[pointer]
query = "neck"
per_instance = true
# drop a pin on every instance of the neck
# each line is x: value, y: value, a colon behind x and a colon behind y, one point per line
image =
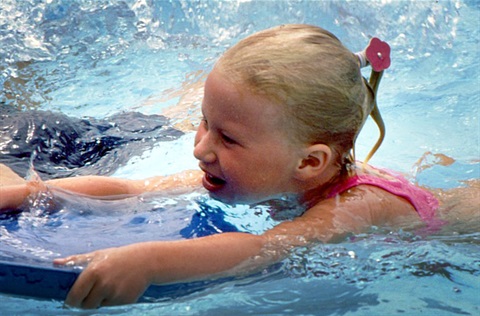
x: 321, y: 186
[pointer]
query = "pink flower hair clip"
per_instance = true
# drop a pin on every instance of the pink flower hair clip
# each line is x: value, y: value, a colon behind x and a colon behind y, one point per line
x: 377, y: 54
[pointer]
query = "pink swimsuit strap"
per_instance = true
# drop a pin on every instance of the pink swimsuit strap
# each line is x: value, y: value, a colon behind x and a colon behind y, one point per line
x: 423, y: 201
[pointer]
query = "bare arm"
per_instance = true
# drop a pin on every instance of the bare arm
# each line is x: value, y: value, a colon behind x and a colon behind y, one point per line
x: 104, y: 186
x: 14, y: 190
x: 8, y: 177
x: 120, y: 275
x: 12, y: 196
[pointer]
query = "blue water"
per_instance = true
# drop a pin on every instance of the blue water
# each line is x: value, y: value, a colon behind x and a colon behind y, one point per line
x: 100, y: 58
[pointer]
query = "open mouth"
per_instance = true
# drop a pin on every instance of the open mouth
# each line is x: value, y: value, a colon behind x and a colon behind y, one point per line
x: 212, y: 183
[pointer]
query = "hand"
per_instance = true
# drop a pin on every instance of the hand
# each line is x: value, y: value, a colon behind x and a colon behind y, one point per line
x: 8, y: 177
x: 113, y: 276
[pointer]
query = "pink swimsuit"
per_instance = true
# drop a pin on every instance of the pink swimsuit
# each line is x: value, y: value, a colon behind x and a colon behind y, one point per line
x: 423, y: 201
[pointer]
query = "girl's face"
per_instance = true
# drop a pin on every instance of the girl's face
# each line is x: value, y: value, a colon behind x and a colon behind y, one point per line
x: 242, y: 146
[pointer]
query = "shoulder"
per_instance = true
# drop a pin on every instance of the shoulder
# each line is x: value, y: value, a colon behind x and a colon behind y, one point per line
x: 364, y: 205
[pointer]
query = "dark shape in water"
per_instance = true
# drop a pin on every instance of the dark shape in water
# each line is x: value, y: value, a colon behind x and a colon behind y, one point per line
x: 62, y: 146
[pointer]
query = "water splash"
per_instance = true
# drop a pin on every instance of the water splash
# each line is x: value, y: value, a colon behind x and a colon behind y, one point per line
x: 383, y: 257
x: 43, y: 42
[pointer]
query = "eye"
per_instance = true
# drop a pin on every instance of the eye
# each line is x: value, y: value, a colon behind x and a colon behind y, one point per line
x: 204, y: 122
x: 228, y: 140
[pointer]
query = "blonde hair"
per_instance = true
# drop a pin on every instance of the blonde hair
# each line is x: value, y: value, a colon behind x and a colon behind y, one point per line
x: 317, y: 80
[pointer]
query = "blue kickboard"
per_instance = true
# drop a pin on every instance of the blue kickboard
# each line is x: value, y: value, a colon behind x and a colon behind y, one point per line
x: 36, y: 281
x: 34, y: 238
x: 55, y: 282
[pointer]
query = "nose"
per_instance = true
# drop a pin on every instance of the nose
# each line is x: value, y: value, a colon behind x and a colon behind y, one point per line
x: 203, y: 149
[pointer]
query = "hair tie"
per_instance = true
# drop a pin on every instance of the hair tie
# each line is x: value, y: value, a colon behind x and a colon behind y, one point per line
x: 377, y: 54
x: 362, y: 58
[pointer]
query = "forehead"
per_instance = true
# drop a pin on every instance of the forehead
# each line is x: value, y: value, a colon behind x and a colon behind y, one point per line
x: 236, y: 103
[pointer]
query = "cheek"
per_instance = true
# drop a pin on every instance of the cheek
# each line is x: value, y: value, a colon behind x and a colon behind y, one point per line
x: 254, y: 173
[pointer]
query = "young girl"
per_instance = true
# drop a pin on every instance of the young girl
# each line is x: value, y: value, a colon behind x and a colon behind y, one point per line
x: 281, y: 112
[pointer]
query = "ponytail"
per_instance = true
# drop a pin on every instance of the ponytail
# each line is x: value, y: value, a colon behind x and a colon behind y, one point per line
x: 377, y: 54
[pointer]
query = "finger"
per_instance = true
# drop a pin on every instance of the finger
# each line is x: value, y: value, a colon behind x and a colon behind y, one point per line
x: 62, y: 261
x: 95, y: 297
x: 79, y: 291
x: 76, y: 260
x: 71, y: 260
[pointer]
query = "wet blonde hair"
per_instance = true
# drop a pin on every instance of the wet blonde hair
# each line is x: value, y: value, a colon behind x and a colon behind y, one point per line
x: 318, y: 81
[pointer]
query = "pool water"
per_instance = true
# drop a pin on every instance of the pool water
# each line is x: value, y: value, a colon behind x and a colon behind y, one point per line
x: 103, y: 58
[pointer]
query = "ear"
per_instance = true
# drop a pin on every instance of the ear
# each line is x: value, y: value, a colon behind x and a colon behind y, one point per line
x: 316, y: 159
